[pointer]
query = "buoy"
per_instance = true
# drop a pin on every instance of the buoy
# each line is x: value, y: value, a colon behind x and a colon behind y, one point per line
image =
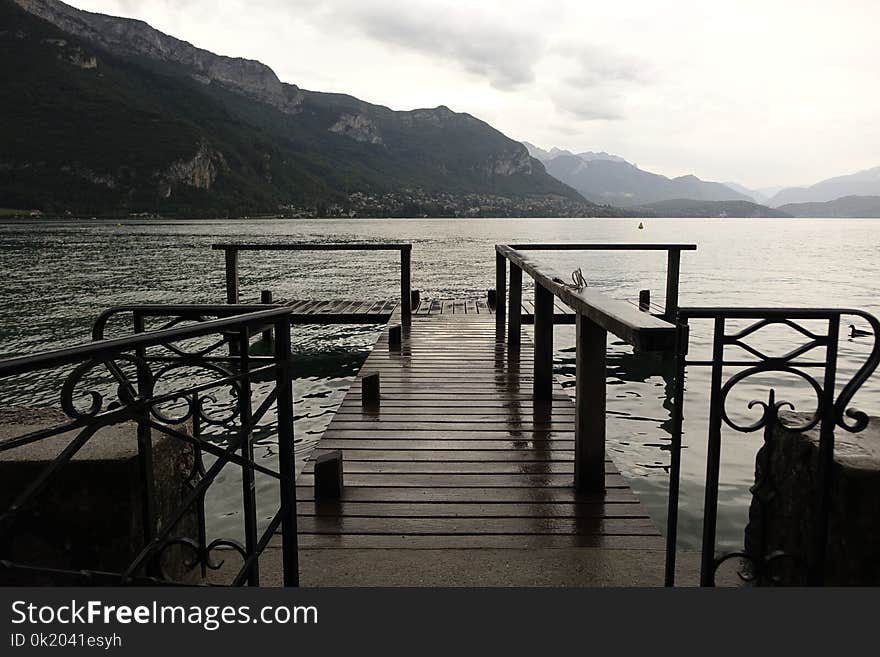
x: 641, y: 226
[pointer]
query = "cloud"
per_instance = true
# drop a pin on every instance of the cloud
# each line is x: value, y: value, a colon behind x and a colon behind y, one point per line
x: 487, y: 46
x: 591, y: 82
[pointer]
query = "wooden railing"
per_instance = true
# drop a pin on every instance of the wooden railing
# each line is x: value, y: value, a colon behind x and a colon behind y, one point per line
x: 232, y: 251
x: 596, y: 315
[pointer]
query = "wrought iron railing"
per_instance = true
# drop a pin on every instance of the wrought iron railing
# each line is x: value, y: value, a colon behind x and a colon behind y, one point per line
x: 184, y: 382
x: 820, y: 328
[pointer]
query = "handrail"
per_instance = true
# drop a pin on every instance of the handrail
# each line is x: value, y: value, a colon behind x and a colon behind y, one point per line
x: 596, y: 315
x: 599, y: 246
x: 624, y: 320
x: 231, y: 251
x: 178, y: 310
x: 314, y: 246
x: 101, y: 348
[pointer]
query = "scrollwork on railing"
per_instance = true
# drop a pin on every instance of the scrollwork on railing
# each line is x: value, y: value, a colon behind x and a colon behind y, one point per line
x: 127, y: 391
x: 172, y: 382
x: 841, y: 412
x: 770, y: 409
x: 762, y: 562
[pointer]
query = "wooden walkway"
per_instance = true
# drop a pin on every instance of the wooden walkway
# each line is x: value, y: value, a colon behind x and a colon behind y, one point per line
x: 459, y: 456
x: 341, y: 311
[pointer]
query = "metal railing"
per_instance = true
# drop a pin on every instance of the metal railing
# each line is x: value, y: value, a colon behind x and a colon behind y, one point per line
x: 596, y: 315
x: 232, y: 260
x: 820, y: 328
x: 205, y: 404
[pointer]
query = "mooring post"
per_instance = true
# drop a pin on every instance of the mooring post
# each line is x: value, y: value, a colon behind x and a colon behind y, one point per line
x: 329, y: 481
x: 543, y: 382
x: 405, y: 292
x: 589, y: 436
x: 500, y: 294
x: 395, y: 337
x: 266, y: 298
x: 645, y: 300
x: 673, y: 270
x: 370, y: 391
x: 231, y: 275
x: 514, y: 334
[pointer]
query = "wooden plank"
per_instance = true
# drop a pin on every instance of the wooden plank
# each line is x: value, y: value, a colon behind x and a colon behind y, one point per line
x: 442, y: 526
x: 460, y: 467
x: 502, y: 455
x: 390, y: 442
x: 463, y: 480
x: 499, y: 541
x: 427, y: 495
x: 465, y: 510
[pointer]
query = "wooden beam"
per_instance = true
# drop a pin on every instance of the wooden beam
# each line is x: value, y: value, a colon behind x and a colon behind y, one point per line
x: 514, y: 325
x: 673, y: 270
x: 323, y: 246
x: 589, y: 437
x: 500, y: 294
x: 231, y: 275
x: 405, y: 287
x: 624, y: 320
x: 543, y: 381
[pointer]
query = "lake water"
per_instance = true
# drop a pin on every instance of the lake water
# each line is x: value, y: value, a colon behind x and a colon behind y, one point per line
x: 57, y: 277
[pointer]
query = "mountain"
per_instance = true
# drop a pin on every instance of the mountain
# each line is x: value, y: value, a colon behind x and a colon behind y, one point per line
x: 756, y: 195
x: 862, y: 183
x: 106, y: 114
x: 692, y: 208
x: 848, y: 206
x: 588, y: 156
x: 609, y: 179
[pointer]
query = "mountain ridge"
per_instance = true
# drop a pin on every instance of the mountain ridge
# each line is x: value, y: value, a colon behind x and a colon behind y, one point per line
x: 860, y: 183
x: 859, y: 207
x: 605, y: 178
x: 184, y: 130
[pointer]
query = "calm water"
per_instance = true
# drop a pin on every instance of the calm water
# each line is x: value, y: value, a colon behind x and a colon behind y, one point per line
x: 57, y: 277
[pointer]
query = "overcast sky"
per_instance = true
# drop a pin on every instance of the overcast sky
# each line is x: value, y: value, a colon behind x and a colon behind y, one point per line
x: 762, y: 92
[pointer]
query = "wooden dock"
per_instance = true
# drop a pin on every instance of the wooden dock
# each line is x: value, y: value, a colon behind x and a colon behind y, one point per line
x: 459, y: 455
x: 342, y: 311
x: 475, y: 455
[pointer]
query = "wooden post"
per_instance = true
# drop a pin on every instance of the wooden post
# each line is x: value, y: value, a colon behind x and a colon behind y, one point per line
x: 415, y: 299
x: 589, y: 437
x: 514, y: 333
x: 500, y: 294
x: 329, y: 481
x: 266, y: 298
x: 491, y: 298
x: 231, y: 275
x: 673, y: 269
x: 395, y: 335
x: 405, y: 293
x: 645, y: 300
x: 370, y: 391
x: 543, y: 382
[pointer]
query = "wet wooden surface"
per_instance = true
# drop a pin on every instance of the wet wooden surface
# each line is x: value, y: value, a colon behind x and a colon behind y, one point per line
x: 459, y: 455
x: 341, y: 311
